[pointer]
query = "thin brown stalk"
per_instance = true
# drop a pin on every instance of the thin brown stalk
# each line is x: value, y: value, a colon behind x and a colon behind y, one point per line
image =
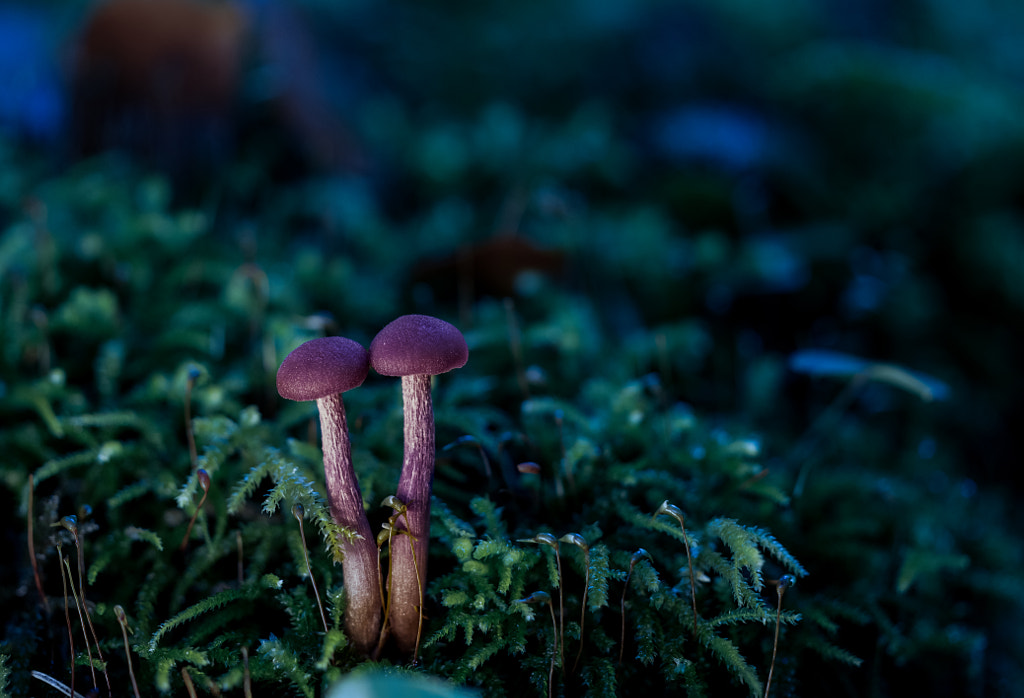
x: 385, y: 598
x: 241, y: 568
x: 561, y: 608
x: 72, y: 525
x: 554, y: 651
x: 67, y: 615
x: 677, y: 514
x: 581, y: 543
x: 784, y: 583
x: 583, y: 609
x: 622, y: 605
x: 123, y: 621
x: 81, y: 619
x: 544, y: 597
x: 246, y: 678
x: 32, y: 546
x: 552, y: 542
x: 204, y: 482
x: 299, y: 512
x: 693, y: 583
x: 188, y: 683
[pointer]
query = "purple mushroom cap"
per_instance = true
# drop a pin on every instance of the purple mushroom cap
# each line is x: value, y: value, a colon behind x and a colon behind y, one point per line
x: 322, y: 367
x: 418, y: 345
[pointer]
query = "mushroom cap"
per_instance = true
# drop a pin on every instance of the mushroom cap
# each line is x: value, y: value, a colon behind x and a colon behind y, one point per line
x: 418, y: 345
x: 322, y: 367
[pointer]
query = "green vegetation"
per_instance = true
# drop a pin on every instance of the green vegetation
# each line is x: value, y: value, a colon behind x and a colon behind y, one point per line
x: 648, y: 445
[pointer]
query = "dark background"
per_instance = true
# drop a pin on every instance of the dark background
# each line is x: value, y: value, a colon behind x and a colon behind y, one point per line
x: 743, y: 179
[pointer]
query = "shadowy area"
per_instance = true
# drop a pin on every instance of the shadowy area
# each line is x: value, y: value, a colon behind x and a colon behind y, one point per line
x: 761, y: 261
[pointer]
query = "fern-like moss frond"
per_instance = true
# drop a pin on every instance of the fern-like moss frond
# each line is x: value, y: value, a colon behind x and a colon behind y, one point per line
x: 56, y: 466
x: 248, y: 591
x: 245, y: 488
x: 284, y: 659
x: 753, y: 615
x: 165, y: 659
x: 454, y: 527
x: 598, y: 675
x: 290, y: 485
x: 334, y: 640
x: 742, y: 543
x: 776, y: 550
x: 830, y: 651
x: 729, y: 655
x: 491, y: 515
x: 597, y: 590
x: 510, y: 556
x: 742, y: 591
x: 921, y: 562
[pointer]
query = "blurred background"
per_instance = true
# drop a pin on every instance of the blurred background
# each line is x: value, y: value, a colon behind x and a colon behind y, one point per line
x: 721, y: 183
x: 830, y: 174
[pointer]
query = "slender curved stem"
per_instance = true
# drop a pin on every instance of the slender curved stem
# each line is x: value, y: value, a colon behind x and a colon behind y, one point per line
x: 299, y: 512
x: 204, y: 481
x: 187, y: 679
x: 583, y: 607
x: 554, y: 651
x: 246, y: 677
x: 88, y: 618
x: 123, y: 621
x: 385, y: 627
x: 693, y: 582
x: 622, y: 608
x: 359, y: 567
x: 81, y: 619
x: 32, y: 547
x: 67, y: 615
x: 561, y: 610
x: 780, y: 589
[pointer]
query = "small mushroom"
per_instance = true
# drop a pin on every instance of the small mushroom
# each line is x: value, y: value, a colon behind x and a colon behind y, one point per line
x: 322, y: 369
x: 415, y: 347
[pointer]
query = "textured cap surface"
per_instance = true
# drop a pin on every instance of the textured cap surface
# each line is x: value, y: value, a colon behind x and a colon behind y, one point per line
x: 322, y: 367
x: 416, y: 345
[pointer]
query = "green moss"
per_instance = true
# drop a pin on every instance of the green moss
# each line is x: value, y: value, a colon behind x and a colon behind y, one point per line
x: 648, y: 365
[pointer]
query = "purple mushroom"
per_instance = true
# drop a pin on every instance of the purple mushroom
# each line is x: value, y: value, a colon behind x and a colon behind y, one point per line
x: 415, y: 347
x: 322, y: 369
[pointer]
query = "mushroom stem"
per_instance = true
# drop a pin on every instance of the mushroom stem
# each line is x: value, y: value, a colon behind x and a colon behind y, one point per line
x: 359, y: 567
x: 409, y: 570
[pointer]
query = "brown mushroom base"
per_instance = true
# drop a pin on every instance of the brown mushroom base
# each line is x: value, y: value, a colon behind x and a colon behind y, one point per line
x: 409, y: 563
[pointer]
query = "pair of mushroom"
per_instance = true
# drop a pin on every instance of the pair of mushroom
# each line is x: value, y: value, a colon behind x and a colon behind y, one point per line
x: 414, y: 347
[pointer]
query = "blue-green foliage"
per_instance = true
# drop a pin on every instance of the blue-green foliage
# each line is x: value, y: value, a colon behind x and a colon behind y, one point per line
x: 122, y: 309
x: 5, y: 676
x: 480, y: 596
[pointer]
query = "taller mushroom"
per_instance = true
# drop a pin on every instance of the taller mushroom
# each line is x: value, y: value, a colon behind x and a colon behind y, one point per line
x: 415, y: 347
x: 322, y: 369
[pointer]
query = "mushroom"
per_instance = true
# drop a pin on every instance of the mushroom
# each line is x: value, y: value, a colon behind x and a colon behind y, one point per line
x: 415, y: 347
x: 322, y: 369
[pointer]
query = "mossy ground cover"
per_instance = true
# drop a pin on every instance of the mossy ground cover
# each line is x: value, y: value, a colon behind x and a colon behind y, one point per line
x: 638, y: 263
